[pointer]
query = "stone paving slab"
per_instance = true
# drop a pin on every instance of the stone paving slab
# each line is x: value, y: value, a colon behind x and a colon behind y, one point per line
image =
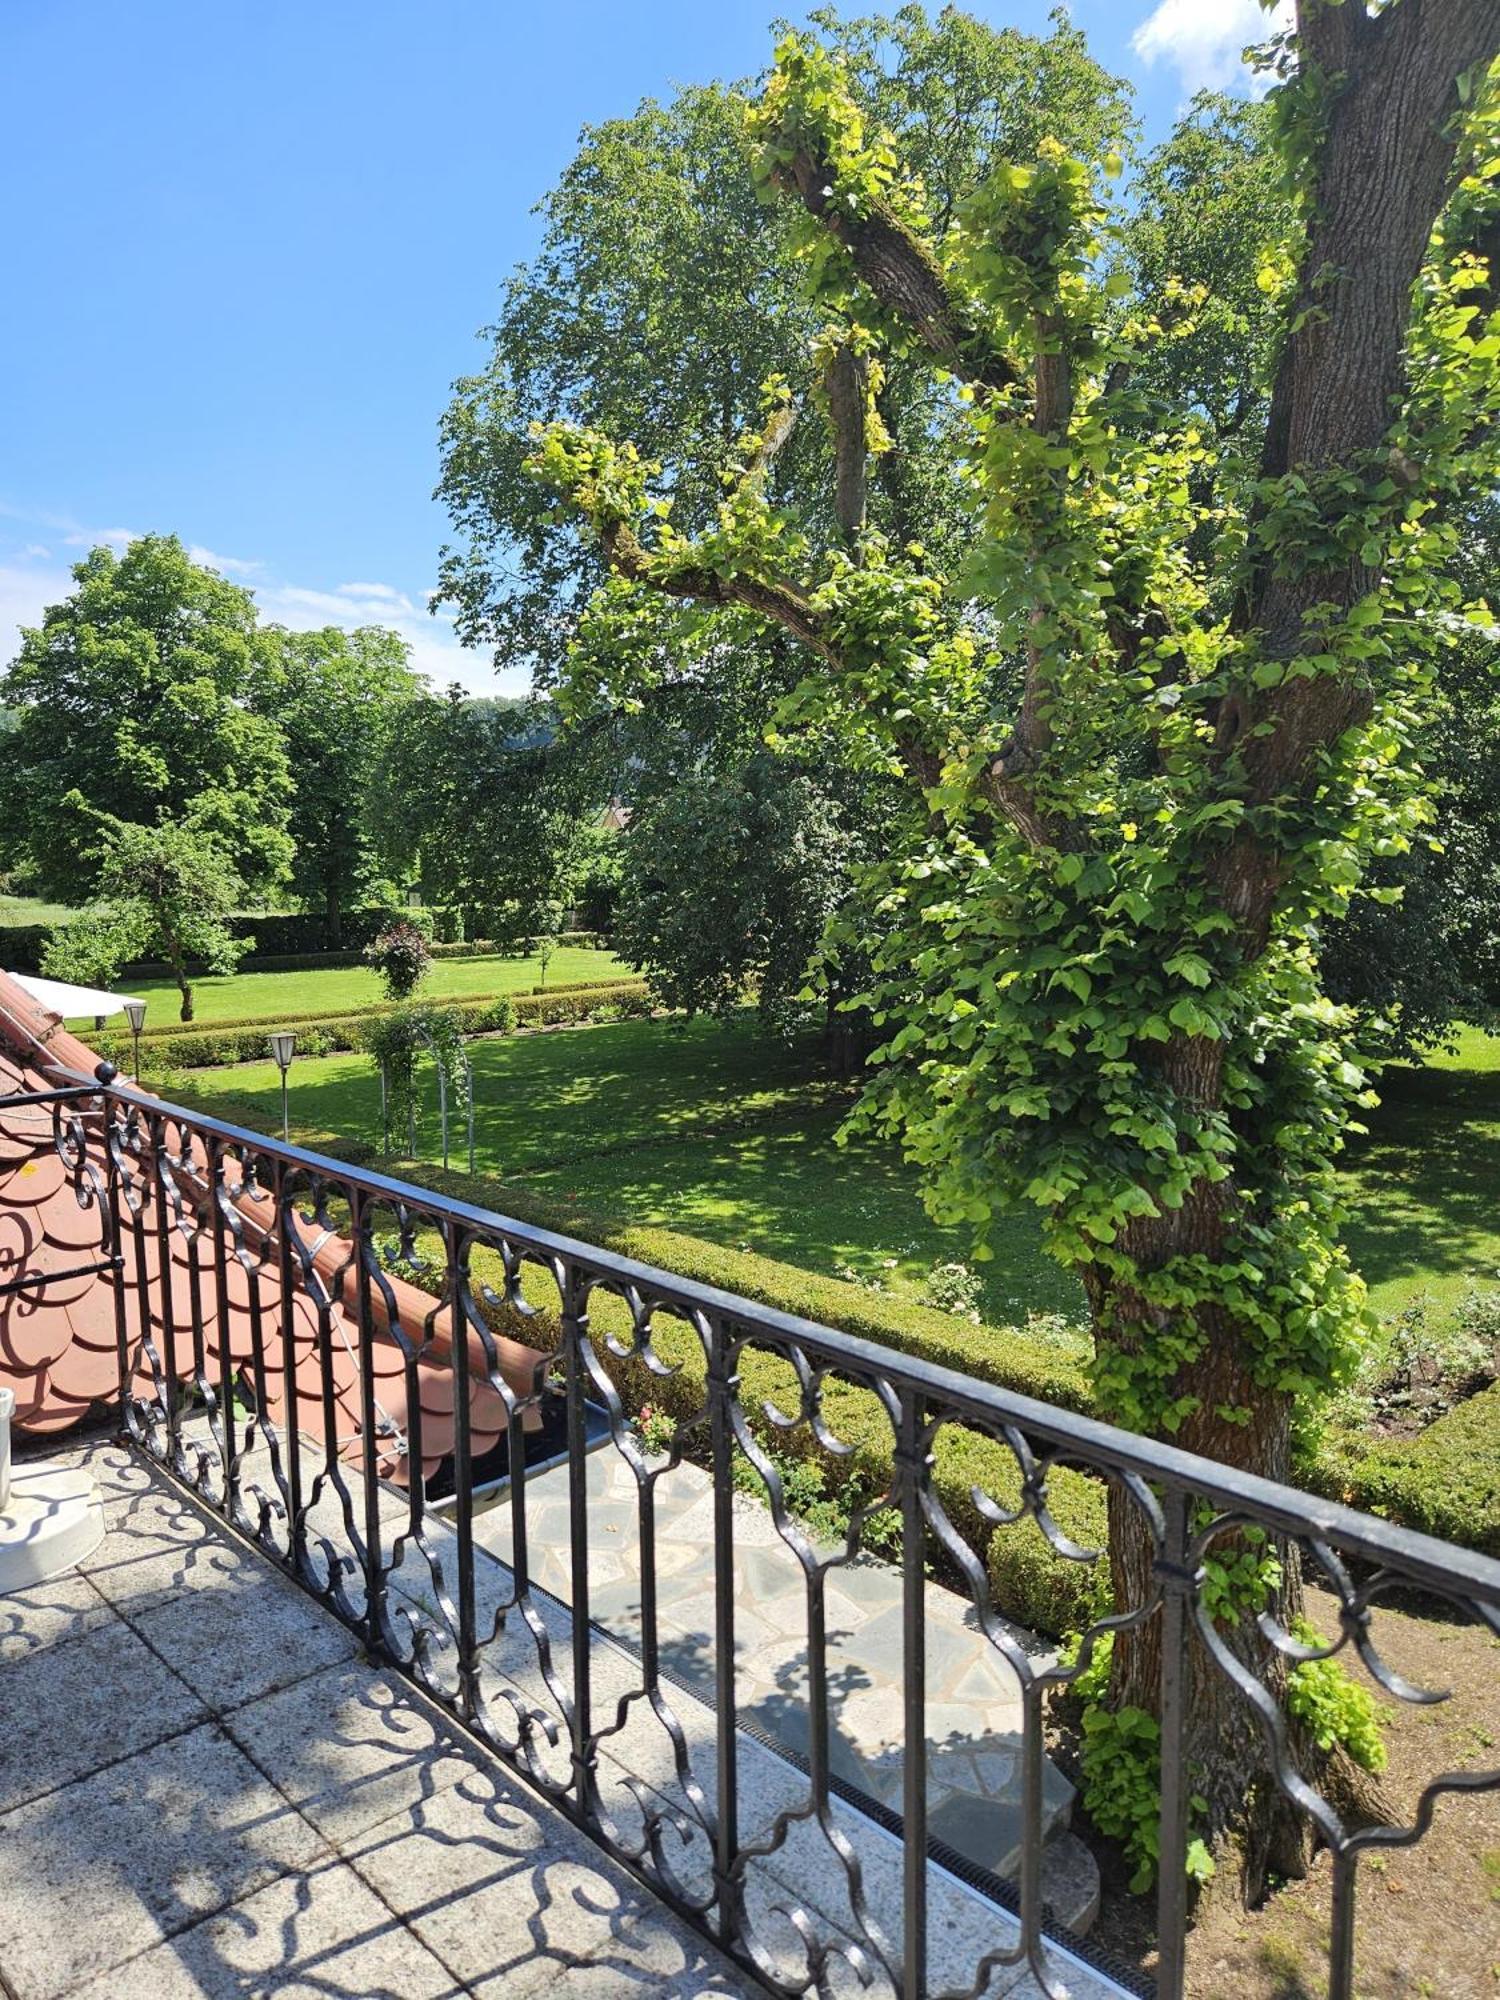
x: 319, y: 1936
x: 63, y: 1608
x: 194, y: 1749
x: 512, y: 1911
x: 99, y: 1871
x: 71, y: 1707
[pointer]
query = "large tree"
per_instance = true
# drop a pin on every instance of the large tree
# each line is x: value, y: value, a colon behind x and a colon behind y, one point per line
x: 135, y: 693
x: 1101, y: 986
x: 655, y: 242
x: 336, y: 697
x: 471, y: 796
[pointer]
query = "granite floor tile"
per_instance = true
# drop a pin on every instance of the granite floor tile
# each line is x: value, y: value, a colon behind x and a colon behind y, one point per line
x: 318, y: 1936
x: 94, y: 1874
x: 350, y: 1746
x: 70, y: 1709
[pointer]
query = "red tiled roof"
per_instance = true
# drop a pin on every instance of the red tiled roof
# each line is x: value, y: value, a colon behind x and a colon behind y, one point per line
x: 59, y: 1343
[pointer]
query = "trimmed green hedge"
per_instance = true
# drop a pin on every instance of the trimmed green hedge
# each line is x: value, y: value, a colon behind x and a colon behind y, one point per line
x: 285, y: 941
x: 22, y: 945
x: 175, y: 1030
x: 1445, y: 1481
x: 333, y: 961
x: 186, y: 1046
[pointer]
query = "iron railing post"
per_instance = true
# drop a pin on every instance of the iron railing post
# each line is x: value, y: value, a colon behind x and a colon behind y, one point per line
x: 296, y: 1524
x: 723, y: 1387
x: 463, y: 1477
x: 912, y: 1469
x: 575, y: 1331
x: 362, y: 1235
x: 1178, y: 1585
x: 1341, y: 1928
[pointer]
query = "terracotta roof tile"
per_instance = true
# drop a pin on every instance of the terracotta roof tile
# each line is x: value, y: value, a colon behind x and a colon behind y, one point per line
x: 58, y: 1344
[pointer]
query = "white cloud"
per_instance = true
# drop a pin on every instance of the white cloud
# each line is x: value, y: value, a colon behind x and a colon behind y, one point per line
x: 1203, y: 39
x: 30, y: 580
x: 225, y: 565
x: 25, y: 591
x: 435, y: 650
x: 119, y: 539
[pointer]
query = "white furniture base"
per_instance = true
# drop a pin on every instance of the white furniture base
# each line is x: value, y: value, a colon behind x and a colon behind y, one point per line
x: 53, y: 1519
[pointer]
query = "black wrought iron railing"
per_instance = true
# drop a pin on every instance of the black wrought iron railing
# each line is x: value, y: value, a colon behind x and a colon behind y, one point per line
x: 318, y: 1351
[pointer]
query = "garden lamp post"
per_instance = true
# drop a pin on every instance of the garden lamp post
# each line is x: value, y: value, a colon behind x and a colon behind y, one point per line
x: 135, y: 1014
x: 284, y: 1047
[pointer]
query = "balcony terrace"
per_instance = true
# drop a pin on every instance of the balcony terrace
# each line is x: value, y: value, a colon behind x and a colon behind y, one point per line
x: 406, y: 1665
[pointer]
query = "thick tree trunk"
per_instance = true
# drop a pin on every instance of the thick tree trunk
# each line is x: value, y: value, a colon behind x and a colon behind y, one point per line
x: 334, y: 920
x: 1247, y: 1821
x: 1234, y: 1422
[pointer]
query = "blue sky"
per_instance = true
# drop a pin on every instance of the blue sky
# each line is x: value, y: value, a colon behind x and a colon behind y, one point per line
x: 251, y: 242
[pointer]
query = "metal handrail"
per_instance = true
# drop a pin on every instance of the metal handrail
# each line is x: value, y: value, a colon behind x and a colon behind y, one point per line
x: 353, y: 1558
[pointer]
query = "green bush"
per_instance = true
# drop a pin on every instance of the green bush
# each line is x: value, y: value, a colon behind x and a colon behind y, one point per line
x: 1445, y: 1481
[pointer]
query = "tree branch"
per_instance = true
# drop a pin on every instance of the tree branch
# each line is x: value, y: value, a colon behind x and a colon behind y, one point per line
x: 783, y: 422
x: 846, y: 382
x: 774, y: 598
x: 902, y: 275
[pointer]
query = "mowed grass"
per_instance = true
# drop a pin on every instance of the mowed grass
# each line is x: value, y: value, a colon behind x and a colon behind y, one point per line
x: 291, y: 996
x: 730, y: 1135
x: 1424, y: 1187
x: 19, y: 910
x: 716, y: 1130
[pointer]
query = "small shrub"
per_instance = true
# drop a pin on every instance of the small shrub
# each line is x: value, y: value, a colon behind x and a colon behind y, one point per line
x: 1423, y: 1367
x: 954, y: 1288
x: 1332, y: 1708
x: 1477, y: 1319
x: 400, y: 958
x: 1120, y: 1765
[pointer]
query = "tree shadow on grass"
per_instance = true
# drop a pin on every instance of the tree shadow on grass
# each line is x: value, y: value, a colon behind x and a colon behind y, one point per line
x: 1422, y: 1186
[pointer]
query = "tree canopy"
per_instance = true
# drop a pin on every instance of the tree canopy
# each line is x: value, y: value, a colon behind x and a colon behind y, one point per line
x: 470, y: 797
x: 133, y: 693
x: 335, y: 697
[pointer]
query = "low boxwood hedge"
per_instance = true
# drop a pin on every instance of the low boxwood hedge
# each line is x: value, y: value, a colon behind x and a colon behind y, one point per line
x: 174, y: 1030
x: 188, y: 1046
x: 1445, y: 1481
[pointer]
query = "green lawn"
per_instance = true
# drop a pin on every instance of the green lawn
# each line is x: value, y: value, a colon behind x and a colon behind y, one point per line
x: 1425, y: 1185
x: 716, y: 1130
x: 730, y: 1136
x: 290, y: 996
x: 18, y: 910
